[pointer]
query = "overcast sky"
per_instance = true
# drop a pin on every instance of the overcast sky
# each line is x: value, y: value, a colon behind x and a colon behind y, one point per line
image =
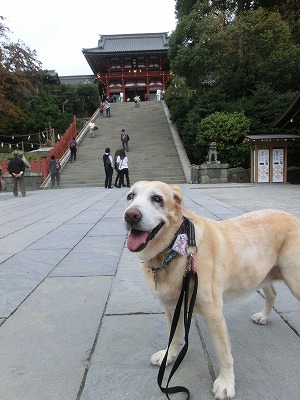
x: 59, y: 29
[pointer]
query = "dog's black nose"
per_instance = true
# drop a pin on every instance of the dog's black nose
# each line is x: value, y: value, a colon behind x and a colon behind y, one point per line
x: 132, y: 215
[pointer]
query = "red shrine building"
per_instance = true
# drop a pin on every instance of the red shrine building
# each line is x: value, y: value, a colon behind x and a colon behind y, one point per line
x: 131, y: 65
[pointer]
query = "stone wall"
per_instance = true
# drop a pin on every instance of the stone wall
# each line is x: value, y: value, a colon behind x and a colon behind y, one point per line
x: 213, y: 173
x: 218, y: 173
x: 33, y: 181
x: 238, y: 175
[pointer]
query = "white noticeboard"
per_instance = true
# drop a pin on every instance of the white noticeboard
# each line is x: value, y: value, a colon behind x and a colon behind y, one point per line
x: 263, y: 165
x: 278, y: 162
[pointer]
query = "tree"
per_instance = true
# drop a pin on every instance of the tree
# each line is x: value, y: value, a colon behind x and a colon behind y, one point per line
x: 259, y: 50
x: 233, y: 56
x: 208, y: 48
x: 228, y: 130
x: 178, y: 95
x: 46, y: 113
x: 20, y: 74
x: 197, y: 47
x: 263, y: 105
x: 88, y: 94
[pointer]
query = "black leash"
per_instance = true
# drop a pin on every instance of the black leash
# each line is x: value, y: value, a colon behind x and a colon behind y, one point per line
x: 188, y: 313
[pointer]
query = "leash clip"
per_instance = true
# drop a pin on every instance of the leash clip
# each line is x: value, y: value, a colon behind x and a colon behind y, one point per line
x: 192, y: 263
x: 189, y: 250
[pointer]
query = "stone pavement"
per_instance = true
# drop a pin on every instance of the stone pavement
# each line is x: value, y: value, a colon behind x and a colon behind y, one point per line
x: 78, y: 322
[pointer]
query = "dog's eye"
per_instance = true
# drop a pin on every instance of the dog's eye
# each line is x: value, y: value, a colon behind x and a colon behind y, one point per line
x: 130, y: 196
x: 157, y: 199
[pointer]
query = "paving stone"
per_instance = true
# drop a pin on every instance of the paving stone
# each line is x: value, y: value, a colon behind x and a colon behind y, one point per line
x: 63, y: 237
x: 64, y: 261
x: 22, y: 273
x: 130, y: 293
x: 92, y: 256
x: 261, y: 353
x: 120, y: 367
x: 46, y: 344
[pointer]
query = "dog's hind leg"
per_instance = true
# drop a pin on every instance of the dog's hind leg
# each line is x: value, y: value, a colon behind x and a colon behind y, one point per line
x: 270, y: 294
x: 292, y: 280
x: 156, y: 358
x: 289, y: 264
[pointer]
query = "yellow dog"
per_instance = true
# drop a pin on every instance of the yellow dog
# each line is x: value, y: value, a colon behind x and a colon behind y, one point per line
x: 234, y: 256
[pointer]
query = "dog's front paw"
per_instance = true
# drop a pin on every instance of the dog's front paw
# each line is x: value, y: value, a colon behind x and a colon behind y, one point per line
x: 223, y: 389
x: 259, y: 318
x: 157, y: 358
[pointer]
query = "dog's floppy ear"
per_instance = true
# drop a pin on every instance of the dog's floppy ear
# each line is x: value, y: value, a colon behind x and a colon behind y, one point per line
x: 177, y: 194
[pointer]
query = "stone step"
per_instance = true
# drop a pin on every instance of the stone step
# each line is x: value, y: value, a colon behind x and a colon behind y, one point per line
x: 152, y: 153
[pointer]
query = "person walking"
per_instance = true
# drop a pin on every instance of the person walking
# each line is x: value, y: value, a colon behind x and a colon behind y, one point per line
x: 101, y: 109
x: 136, y: 100
x: 108, y: 168
x: 16, y: 167
x: 122, y: 161
x: 55, y: 168
x: 73, y: 148
x: 93, y: 128
x: 107, y: 108
x: 124, y: 139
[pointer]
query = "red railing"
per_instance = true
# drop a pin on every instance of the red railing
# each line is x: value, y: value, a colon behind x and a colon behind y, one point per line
x: 61, y: 146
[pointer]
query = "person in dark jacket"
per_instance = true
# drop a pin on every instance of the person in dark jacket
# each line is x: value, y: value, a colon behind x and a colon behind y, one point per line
x: 116, y: 168
x: 108, y: 168
x: 55, y: 168
x: 16, y: 168
x: 73, y: 149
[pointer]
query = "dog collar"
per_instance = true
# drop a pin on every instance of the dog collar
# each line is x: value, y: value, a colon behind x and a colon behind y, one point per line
x: 173, y: 253
x: 164, y: 264
x: 166, y: 261
x: 184, y: 230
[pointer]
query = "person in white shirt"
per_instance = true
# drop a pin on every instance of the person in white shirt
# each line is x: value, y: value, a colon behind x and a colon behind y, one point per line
x: 107, y: 108
x: 92, y: 129
x: 122, y: 161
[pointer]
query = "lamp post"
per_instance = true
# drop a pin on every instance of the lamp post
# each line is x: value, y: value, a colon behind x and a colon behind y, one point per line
x: 63, y: 105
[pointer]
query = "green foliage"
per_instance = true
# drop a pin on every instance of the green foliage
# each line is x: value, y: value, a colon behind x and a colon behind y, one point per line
x: 197, y: 48
x: 19, y: 78
x: 228, y: 130
x: 26, y: 106
x: 178, y: 95
x: 188, y: 112
x: 88, y: 94
x: 254, y: 48
x: 46, y: 113
x: 237, y: 155
x: 259, y: 50
x: 29, y: 156
x: 234, y: 57
x: 263, y: 106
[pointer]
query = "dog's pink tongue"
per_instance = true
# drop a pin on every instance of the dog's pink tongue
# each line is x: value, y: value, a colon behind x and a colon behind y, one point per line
x: 136, y: 239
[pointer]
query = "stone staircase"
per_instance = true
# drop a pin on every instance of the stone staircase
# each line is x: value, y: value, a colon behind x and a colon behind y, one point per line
x: 152, y: 153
